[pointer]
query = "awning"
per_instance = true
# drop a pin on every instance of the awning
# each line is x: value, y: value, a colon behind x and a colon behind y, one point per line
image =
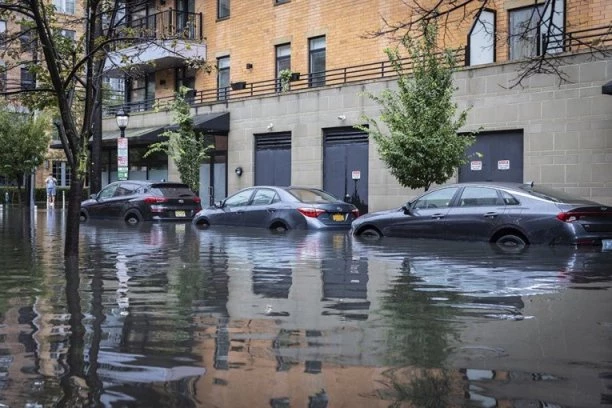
x: 136, y: 136
x: 607, y: 88
x: 209, y: 122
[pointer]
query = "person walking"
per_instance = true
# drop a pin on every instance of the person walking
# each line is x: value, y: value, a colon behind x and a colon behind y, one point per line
x: 51, y: 183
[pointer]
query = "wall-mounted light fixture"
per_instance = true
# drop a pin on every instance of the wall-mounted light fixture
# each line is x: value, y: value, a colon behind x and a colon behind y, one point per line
x: 270, y: 126
x: 342, y: 117
x: 238, y: 171
x: 249, y: 65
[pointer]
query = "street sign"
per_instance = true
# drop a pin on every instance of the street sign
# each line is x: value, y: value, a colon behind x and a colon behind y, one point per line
x: 356, y: 174
x: 122, y: 158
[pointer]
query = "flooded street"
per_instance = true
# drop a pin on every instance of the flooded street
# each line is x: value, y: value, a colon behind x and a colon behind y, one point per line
x: 167, y: 315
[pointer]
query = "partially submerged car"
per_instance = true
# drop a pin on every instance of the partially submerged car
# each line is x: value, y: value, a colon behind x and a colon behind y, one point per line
x: 135, y: 201
x: 508, y: 214
x: 279, y: 209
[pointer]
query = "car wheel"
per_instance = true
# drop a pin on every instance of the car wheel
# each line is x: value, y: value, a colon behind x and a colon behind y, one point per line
x: 280, y: 228
x: 132, y: 218
x: 370, y: 233
x: 511, y: 242
x: 83, y: 216
x: 202, y: 224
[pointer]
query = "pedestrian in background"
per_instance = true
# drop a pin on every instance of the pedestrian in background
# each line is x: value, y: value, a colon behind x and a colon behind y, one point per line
x: 51, y: 183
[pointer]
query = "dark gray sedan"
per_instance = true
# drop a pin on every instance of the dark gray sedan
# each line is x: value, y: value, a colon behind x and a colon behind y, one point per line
x: 280, y: 209
x: 509, y: 214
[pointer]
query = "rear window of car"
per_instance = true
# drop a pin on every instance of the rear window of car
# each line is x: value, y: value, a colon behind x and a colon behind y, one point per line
x: 312, y: 196
x: 554, y: 195
x: 172, y: 190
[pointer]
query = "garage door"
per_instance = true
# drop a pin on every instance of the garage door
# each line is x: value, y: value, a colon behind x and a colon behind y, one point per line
x: 500, y: 158
x: 345, y: 165
x: 273, y: 159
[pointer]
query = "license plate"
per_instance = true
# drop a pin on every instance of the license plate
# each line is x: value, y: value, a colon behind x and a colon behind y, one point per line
x: 179, y: 213
x: 606, y: 244
x: 338, y: 217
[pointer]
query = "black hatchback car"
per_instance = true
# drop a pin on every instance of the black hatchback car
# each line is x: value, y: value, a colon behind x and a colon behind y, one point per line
x: 508, y: 214
x: 134, y: 201
x: 280, y: 209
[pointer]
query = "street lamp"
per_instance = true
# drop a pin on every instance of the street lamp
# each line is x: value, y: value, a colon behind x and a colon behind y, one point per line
x: 122, y: 145
x: 122, y: 120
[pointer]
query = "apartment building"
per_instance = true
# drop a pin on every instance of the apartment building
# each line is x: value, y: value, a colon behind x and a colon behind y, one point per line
x: 269, y: 131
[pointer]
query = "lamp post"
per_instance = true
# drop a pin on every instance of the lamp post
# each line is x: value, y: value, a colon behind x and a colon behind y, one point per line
x: 122, y: 145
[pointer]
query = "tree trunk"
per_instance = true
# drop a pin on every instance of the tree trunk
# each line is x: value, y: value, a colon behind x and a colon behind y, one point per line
x: 71, y: 247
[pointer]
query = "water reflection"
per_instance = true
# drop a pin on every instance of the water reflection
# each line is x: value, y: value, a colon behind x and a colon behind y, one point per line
x: 167, y: 315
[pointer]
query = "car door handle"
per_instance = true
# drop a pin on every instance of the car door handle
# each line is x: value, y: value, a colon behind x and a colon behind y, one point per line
x: 491, y: 214
x: 271, y: 210
x: 239, y: 212
x: 437, y: 216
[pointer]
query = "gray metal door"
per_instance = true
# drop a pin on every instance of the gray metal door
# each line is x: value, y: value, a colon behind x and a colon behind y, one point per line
x: 273, y: 159
x: 501, y: 160
x: 345, y: 165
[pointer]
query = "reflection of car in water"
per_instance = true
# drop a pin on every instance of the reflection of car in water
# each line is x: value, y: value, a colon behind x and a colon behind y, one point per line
x: 509, y: 214
x: 280, y: 209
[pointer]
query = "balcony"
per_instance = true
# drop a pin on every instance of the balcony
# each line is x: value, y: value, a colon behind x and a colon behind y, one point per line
x: 162, y: 40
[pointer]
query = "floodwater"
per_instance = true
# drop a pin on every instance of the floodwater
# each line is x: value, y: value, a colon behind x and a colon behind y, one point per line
x: 166, y: 315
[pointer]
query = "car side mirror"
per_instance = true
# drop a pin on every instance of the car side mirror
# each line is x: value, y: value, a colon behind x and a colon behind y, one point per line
x: 406, y: 208
x: 93, y: 196
x: 219, y: 204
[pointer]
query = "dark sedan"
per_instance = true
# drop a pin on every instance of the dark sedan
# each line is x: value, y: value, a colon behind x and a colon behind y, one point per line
x: 134, y: 201
x: 509, y: 214
x: 280, y: 209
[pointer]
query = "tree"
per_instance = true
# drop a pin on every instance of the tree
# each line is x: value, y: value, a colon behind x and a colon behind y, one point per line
x: 69, y: 73
x: 183, y: 145
x: 24, y: 138
x: 422, y: 146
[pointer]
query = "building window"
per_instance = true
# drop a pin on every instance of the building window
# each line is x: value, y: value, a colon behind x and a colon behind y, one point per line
x: 61, y: 172
x: 281, y: 1
x: 223, y: 9
x: 64, y: 6
x: 524, y: 32
x: 28, y: 79
x: 25, y: 38
x: 3, y: 86
x: 223, y: 77
x: 69, y: 34
x: 186, y: 77
x: 141, y: 93
x: 316, y: 61
x: 283, y: 61
x: 115, y: 89
x: 2, y: 32
x: 481, y: 39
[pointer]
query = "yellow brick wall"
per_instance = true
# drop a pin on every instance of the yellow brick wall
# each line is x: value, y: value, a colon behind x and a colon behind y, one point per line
x: 256, y: 26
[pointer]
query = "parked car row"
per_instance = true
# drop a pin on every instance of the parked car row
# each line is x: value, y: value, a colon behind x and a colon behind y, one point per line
x: 512, y: 215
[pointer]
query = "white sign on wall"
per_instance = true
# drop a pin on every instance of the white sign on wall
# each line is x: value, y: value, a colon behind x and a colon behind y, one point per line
x: 475, y: 165
x: 356, y: 174
x: 503, y: 165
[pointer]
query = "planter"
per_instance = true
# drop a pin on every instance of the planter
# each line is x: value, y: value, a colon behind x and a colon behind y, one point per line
x: 236, y: 86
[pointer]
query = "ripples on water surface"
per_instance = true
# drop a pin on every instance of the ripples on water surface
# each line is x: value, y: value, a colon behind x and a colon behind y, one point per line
x: 170, y: 316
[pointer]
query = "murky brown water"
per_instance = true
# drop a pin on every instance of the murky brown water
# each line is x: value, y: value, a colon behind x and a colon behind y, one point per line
x: 165, y: 315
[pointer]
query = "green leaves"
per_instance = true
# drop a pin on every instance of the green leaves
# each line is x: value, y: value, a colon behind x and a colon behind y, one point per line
x: 421, y: 146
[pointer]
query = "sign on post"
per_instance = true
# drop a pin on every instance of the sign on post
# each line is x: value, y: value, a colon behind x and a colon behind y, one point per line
x: 122, y: 158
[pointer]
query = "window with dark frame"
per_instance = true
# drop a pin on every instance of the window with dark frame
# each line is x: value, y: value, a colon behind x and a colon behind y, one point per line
x: 186, y: 77
x: 3, y: 86
x: 141, y: 94
x: 223, y: 9
x: 28, y: 79
x: 316, y: 61
x: 223, y: 78
x: 2, y: 32
x: 524, y: 32
x: 283, y: 61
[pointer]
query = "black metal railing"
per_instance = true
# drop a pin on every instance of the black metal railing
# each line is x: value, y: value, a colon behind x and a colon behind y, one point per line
x: 600, y: 37
x: 167, y: 24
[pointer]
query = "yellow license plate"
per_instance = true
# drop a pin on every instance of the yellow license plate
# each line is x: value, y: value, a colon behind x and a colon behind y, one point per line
x: 338, y: 217
x: 179, y: 213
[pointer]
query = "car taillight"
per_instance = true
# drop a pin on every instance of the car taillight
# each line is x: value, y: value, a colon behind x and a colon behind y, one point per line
x: 197, y: 200
x: 311, y: 212
x: 355, y: 213
x: 575, y: 216
x: 155, y: 200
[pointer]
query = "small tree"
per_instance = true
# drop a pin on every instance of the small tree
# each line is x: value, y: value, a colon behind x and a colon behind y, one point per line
x: 422, y: 146
x: 24, y: 138
x: 184, y: 146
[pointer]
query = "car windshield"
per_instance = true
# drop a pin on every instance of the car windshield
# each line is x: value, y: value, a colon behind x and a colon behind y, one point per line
x: 312, y: 196
x: 551, y: 194
x: 172, y: 190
